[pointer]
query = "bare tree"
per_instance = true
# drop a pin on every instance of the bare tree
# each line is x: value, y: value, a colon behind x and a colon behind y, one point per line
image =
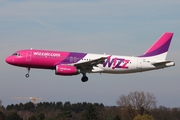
x: 136, y: 103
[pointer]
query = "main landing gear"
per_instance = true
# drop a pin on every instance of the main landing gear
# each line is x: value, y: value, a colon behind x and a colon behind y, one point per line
x: 27, y: 75
x: 84, y: 78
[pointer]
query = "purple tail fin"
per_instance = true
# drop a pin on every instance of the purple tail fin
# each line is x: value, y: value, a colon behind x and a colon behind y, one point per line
x: 160, y: 46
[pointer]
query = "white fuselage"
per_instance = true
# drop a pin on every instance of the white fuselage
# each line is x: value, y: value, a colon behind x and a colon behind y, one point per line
x: 122, y: 64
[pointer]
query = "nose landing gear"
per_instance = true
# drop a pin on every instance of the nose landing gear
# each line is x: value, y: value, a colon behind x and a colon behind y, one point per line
x: 27, y: 75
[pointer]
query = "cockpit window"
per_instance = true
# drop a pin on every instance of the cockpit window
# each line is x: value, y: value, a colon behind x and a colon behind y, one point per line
x: 16, y: 54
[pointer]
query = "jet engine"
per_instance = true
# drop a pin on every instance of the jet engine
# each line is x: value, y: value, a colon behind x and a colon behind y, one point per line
x: 66, y: 70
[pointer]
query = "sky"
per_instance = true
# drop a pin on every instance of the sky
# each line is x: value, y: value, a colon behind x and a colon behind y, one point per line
x: 97, y: 26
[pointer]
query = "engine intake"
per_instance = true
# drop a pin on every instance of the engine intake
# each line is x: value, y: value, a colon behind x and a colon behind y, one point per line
x: 66, y: 70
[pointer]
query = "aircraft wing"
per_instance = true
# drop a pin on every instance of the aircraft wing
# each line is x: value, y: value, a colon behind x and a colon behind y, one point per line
x: 94, y: 62
x: 91, y: 65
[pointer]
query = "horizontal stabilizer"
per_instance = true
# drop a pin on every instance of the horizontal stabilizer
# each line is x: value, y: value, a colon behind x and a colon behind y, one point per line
x: 166, y: 63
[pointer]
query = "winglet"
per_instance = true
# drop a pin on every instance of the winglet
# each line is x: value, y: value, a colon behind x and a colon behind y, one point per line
x: 160, y: 46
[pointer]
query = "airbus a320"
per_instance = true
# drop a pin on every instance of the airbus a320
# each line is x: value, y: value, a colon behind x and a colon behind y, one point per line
x: 74, y: 63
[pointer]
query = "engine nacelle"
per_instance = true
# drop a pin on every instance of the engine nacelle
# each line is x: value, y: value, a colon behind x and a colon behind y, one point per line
x: 66, y: 70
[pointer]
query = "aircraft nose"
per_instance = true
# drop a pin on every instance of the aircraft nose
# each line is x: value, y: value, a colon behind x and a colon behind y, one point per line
x: 9, y: 60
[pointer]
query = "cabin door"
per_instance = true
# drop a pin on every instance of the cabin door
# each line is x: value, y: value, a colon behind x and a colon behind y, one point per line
x: 139, y: 63
x: 28, y: 55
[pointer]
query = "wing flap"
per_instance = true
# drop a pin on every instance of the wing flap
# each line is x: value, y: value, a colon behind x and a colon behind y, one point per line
x: 97, y: 69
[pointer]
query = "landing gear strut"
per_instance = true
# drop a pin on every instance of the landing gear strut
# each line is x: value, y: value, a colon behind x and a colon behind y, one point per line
x: 84, y: 78
x: 27, y: 75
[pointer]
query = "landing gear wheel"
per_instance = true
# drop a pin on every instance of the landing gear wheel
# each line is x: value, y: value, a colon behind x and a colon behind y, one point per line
x: 84, y: 79
x: 27, y: 75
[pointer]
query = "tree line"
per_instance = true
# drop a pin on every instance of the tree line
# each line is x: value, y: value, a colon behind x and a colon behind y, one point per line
x: 134, y: 106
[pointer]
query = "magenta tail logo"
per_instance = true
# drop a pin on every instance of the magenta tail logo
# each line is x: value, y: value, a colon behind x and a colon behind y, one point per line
x: 116, y: 63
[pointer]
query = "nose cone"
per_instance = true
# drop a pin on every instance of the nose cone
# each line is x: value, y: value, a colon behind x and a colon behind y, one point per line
x: 9, y: 60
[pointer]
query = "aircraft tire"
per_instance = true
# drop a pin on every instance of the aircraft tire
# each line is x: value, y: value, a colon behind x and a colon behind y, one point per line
x: 84, y: 79
x: 27, y: 75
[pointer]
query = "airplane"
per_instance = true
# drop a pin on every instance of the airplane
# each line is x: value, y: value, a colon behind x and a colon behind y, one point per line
x: 74, y: 63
